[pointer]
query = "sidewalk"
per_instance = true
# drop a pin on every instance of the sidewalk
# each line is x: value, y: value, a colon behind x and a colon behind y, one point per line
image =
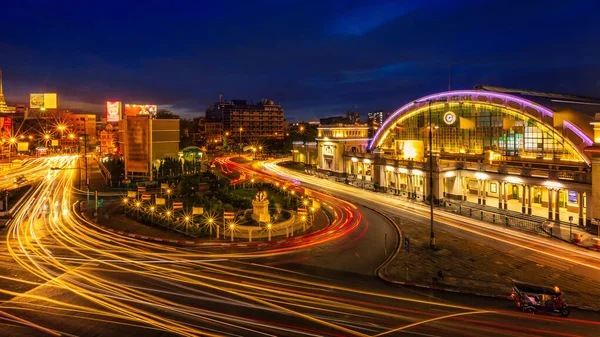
x: 471, y: 267
x: 560, y: 231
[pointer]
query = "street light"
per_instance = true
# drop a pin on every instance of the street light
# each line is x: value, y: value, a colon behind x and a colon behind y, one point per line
x: 269, y: 227
x: 232, y: 230
x: 11, y: 141
x: 431, y: 234
x: 152, y: 208
x: 211, y: 221
x: 137, y: 210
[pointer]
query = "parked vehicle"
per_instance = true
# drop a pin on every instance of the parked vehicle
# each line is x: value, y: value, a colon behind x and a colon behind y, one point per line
x: 533, y: 298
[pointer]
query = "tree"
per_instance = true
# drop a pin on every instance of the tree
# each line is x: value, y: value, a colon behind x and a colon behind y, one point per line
x: 166, y: 114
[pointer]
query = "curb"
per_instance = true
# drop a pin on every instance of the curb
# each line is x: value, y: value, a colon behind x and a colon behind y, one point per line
x: 180, y: 242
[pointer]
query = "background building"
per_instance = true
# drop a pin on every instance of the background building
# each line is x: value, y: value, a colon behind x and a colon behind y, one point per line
x: 248, y: 122
x: 349, y: 118
x: 144, y: 141
x: 378, y: 117
x: 4, y: 108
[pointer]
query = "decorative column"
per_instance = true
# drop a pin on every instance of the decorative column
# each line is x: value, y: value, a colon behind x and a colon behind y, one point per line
x: 523, y: 199
x: 505, y: 186
x: 580, y: 204
x: 557, y: 205
x: 479, y: 191
x: 483, y: 194
x: 465, y: 188
x: 550, y: 204
x: 500, y: 189
x: 529, y: 199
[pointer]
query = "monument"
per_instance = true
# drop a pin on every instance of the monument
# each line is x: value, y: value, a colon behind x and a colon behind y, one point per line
x: 260, y: 207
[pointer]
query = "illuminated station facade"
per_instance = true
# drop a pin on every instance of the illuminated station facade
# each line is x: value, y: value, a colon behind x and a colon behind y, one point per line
x: 530, y: 152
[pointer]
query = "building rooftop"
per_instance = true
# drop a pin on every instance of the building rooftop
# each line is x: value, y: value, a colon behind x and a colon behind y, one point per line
x: 554, y: 101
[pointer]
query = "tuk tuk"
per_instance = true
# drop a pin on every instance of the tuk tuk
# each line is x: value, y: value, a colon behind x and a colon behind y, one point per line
x: 533, y: 298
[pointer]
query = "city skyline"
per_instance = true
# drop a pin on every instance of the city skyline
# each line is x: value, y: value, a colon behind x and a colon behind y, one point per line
x: 321, y: 60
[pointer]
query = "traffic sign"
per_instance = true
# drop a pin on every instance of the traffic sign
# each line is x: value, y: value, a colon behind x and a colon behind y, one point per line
x: 407, y: 244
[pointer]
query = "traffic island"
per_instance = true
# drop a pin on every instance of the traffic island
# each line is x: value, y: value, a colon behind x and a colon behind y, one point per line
x: 461, y: 264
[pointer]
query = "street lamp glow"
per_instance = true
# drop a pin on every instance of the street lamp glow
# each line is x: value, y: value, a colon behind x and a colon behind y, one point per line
x: 152, y: 208
x: 125, y: 200
x: 305, y: 202
x: 13, y: 140
x: 187, y: 218
x: 138, y: 204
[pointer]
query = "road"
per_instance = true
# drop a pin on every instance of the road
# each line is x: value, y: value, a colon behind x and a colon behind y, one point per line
x: 85, y: 281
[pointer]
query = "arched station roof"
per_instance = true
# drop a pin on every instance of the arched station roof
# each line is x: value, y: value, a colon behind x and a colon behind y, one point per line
x: 521, y: 107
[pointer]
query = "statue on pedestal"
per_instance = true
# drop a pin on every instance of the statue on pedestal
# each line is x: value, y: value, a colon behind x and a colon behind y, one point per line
x: 261, y: 196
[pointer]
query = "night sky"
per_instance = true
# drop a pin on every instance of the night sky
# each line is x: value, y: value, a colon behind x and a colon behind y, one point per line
x: 318, y: 58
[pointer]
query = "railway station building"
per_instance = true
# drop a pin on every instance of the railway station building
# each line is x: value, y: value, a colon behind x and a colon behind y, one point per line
x: 531, y: 152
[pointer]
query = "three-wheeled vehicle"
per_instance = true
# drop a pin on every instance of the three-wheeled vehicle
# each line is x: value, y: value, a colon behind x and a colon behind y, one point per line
x: 533, y: 298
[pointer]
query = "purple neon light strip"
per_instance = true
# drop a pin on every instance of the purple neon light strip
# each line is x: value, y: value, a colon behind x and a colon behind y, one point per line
x: 488, y: 94
x: 587, y: 140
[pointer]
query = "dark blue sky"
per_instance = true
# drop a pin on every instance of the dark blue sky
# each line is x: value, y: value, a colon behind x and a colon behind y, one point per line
x: 317, y: 58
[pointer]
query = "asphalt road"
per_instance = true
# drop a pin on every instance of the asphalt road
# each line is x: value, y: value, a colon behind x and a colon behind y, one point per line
x: 87, y: 282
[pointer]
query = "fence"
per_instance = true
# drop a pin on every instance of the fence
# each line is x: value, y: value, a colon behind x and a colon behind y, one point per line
x: 504, y: 219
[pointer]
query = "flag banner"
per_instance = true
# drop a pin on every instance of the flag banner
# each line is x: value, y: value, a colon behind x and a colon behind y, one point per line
x: 228, y: 215
x: 146, y: 197
x: 467, y: 124
x: 508, y: 123
x: 161, y: 201
x: 178, y: 205
x: 141, y: 189
x: 164, y: 186
x: 131, y: 194
x: 197, y: 210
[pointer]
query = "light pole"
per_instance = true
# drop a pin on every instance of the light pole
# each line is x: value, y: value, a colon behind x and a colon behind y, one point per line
x: 431, y: 234
x: 232, y: 229
x: 187, y: 223
x: 269, y: 226
x: 137, y: 210
x: 210, y: 226
x: 152, y: 208
x: 11, y: 141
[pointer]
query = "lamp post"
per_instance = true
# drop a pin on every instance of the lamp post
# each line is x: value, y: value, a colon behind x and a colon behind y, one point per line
x: 11, y: 141
x: 269, y: 227
x: 232, y: 230
x: 152, y: 208
x: 210, y: 226
x: 431, y: 234
x: 187, y: 223
x: 137, y: 210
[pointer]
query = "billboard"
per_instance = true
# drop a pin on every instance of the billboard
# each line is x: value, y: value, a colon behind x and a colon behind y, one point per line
x: 46, y: 101
x: 140, y: 109
x: 22, y: 146
x: 5, y: 125
x: 137, y: 156
x: 113, y: 111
